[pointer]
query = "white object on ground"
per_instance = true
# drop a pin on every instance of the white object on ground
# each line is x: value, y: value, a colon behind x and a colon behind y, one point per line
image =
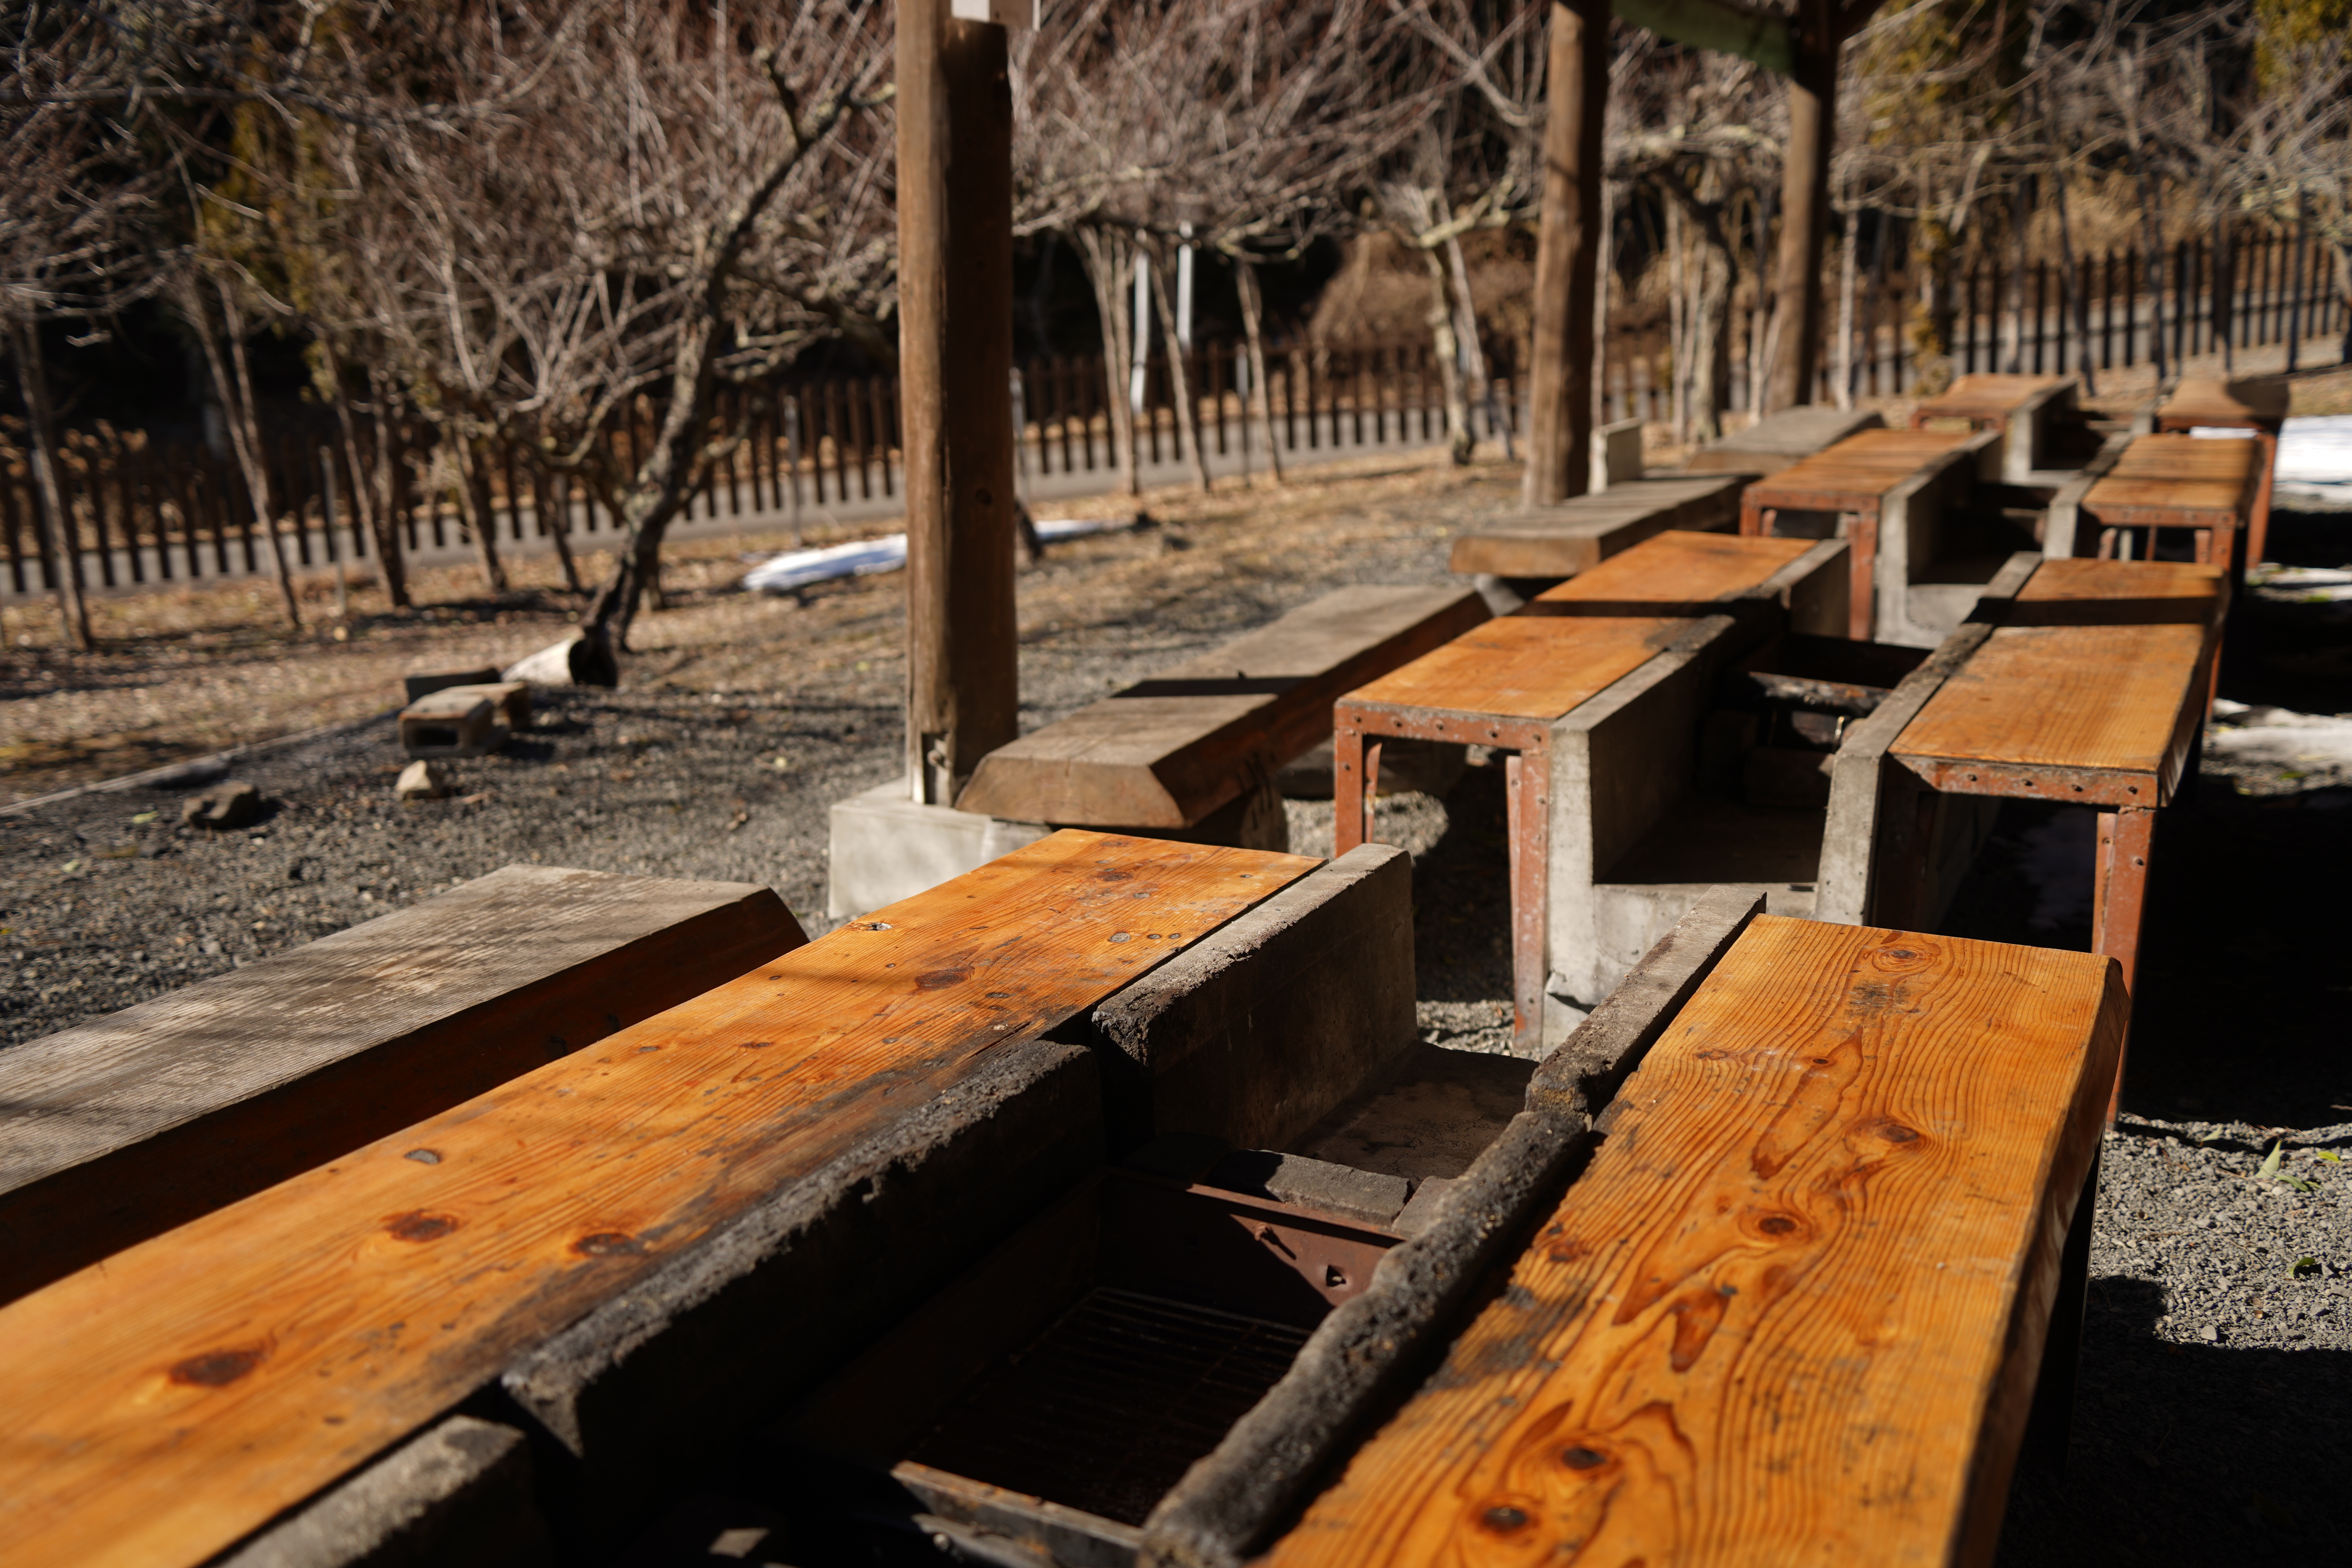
x: 796, y: 569
x: 2276, y: 737
x: 2314, y: 458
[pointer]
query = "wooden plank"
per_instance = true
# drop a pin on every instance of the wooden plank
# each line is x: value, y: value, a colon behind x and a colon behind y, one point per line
x: 2258, y: 403
x: 2179, y: 473
x: 1856, y: 473
x: 174, y: 1398
x: 1759, y: 1328
x: 1776, y: 443
x: 1680, y: 568
x: 1166, y: 751
x: 1524, y: 666
x: 1576, y: 535
x: 2075, y: 591
x: 124, y: 1126
x: 1984, y: 399
x: 2100, y: 698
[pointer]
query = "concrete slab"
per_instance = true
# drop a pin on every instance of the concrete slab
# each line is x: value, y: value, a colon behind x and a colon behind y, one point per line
x: 1779, y: 442
x: 886, y: 846
x: 458, y: 1495
x: 1366, y: 1196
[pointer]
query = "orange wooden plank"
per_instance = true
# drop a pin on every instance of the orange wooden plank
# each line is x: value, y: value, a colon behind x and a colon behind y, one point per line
x: 1867, y: 464
x: 2179, y: 473
x: 2097, y: 696
x: 1772, y: 1322
x: 2081, y: 577
x: 1681, y: 567
x: 1525, y: 667
x: 1983, y: 397
x: 166, y: 1402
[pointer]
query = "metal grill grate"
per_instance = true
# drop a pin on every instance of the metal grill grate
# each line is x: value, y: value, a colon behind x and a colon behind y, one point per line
x: 1107, y: 1409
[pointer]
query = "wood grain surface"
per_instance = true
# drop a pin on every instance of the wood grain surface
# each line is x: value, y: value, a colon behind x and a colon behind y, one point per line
x: 1793, y: 1309
x: 2084, y: 578
x: 168, y: 1401
x: 1984, y: 396
x: 1681, y: 567
x: 2260, y: 403
x: 1577, y: 534
x: 2105, y: 698
x: 1168, y: 750
x: 128, y: 1125
x: 1866, y: 465
x: 1525, y: 667
x: 2179, y: 473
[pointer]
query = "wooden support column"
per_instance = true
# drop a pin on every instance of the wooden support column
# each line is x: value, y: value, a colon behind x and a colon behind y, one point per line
x: 955, y: 363
x: 1568, y: 252
x: 1804, y: 206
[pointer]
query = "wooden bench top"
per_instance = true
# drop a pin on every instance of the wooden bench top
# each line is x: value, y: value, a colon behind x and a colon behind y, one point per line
x: 1524, y: 667
x: 1985, y: 398
x: 2182, y: 474
x: 2259, y: 403
x: 1678, y: 567
x: 167, y: 1402
x: 1773, y: 444
x: 1794, y: 1308
x: 2080, y: 591
x: 1576, y: 535
x: 1862, y: 466
x: 128, y: 1125
x: 1166, y: 751
x: 2101, y: 713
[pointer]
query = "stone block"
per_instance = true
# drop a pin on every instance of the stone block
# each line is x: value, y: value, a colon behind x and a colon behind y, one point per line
x: 885, y: 847
x: 648, y: 1392
x: 223, y: 807
x: 459, y: 1496
x: 1254, y: 1034
x: 1365, y: 1196
x: 454, y: 723
x: 421, y: 780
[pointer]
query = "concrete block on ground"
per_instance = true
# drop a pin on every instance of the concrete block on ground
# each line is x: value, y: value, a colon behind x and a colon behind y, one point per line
x: 454, y: 723
x: 1256, y: 1034
x: 648, y: 1392
x: 1616, y: 454
x: 884, y: 847
x: 425, y: 682
x: 459, y: 1496
x: 511, y: 697
x: 1366, y: 1196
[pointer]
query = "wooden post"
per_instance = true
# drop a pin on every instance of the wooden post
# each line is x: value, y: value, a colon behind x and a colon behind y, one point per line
x: 955, y: 338
x: 1568, y: 251
x: 1804, y: 205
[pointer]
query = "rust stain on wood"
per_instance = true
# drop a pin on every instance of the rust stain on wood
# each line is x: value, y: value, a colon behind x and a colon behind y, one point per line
x: 169, y: 1400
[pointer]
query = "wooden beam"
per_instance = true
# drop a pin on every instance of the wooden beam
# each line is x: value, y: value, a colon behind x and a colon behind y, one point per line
x: 1568, y: 256
x: 1759, y: 1326
x: 955, y: 364
x: 1762, y: 36
x: 172, y: 1400
x: 129, y: 1125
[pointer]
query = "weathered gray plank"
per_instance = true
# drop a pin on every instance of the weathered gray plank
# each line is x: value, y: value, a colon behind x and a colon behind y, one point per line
x: 122, y: 1128
x: 1166, y: 751
x: 1577, y: 535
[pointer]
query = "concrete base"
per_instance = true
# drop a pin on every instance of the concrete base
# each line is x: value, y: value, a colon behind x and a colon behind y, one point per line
x: 887, y: 847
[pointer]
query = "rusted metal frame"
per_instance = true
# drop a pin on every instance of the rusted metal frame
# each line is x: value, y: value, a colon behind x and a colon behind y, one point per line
x: 2025, y: 781
x: 1358, y: 730
x: 2118, y: 900
x: 2264, y: 431
x: 1760, y: 506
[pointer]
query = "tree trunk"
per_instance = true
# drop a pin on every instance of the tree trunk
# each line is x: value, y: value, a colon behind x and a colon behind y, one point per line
x: 1180, y: 375
x: 665, y: 476
x: 1459, y: 441
x: 58, y: 532
x: 1842, y: 365
x: 1110, y: 262
x: 1804, y: 209
x: 480, y: 510
x: 1254, y: 331
x: 2151, y: 222
x: 359, y: 495
x: 389, y: 477
x: 2081, y: 296
x: 1472, y: 354
x: 232, y: 383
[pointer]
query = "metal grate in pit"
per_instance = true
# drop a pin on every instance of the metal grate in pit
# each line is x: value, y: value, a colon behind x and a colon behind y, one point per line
x: 1106, y: 1410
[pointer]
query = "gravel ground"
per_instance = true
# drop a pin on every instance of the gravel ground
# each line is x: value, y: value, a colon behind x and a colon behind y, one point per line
x: 2214, y: 1415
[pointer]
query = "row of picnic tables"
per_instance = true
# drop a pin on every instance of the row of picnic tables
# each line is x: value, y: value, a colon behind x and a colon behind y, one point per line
x: 651, y: 1249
